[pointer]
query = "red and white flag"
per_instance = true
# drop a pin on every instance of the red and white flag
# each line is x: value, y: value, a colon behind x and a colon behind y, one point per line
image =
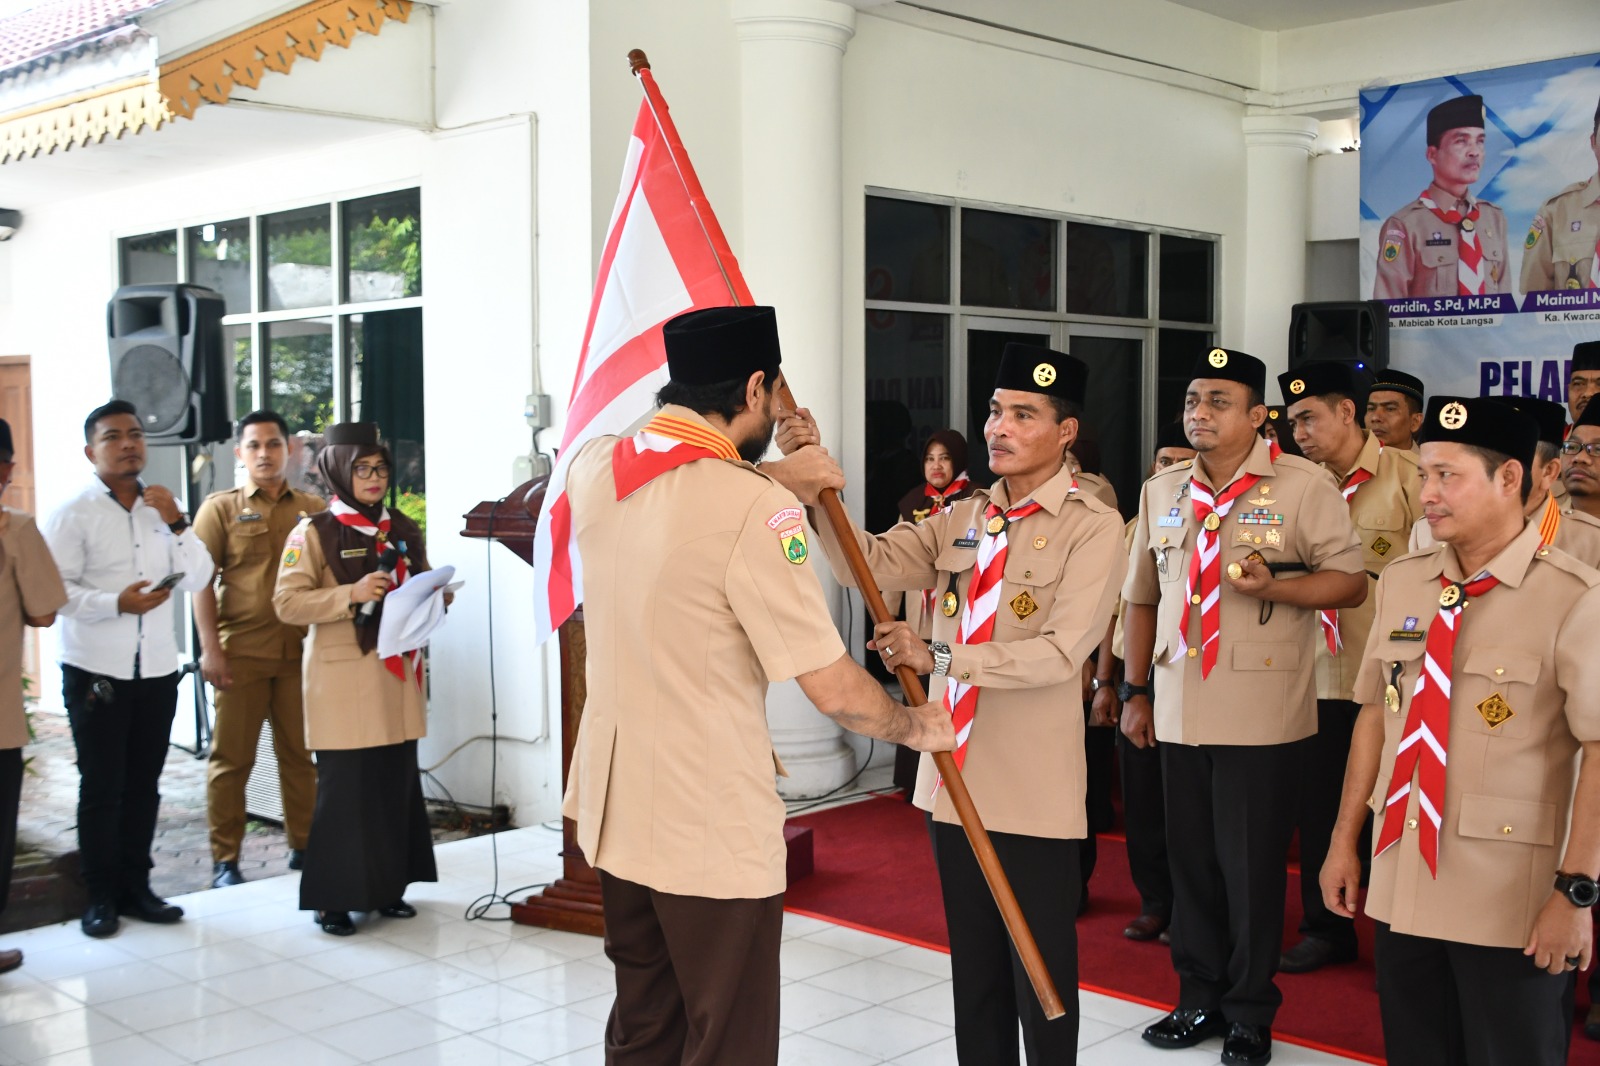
x: 665, y: 254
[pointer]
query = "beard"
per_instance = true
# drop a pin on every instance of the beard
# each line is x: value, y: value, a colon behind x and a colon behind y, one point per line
x: 753, y: 447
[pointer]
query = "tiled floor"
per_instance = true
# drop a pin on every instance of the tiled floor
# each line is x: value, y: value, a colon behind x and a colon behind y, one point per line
x: 246, y: 978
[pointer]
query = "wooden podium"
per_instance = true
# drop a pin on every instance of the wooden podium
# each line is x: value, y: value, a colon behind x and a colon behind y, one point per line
x: 573, y: 902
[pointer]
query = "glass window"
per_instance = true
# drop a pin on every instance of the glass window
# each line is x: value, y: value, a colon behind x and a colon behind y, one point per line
x: 908, y: 251
x: 1177, y: 351
x: 1186, y: 279
x: 908, y: 368
x: 219, y: 259
x: 1008, y: 261
x: 151, y: 259
x: 1109, y: 433
x: 236, y: 340
x: 384, y: 350
x: 383, y: 246
x: 300, y: 372
x: 1106, y: 270
x: 299, y: 258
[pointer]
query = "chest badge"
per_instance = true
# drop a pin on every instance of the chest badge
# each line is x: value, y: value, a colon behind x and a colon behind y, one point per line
x: 1212, y: 522
x: 996, y: 524
x: 1381, y: 546
x: 949, y: 605
x: 1495, y: 710
x: 1039, y: 543
x: 249, y: 516
x: 1450, y: 596
x: 1391, y: 699
x: 1023, y: 605
x: 1274, y: 539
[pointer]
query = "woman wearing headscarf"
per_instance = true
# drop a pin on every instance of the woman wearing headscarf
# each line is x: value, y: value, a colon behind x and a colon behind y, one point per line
x: 364, y: 715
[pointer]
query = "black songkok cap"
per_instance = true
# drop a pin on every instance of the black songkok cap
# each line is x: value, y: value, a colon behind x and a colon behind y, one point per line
x: 1320, y: 379
x: 1481, y: 423
x: 1277, y: 413
x: 1032, y: 368
x: 1462, y: 112
x: 1171, y: 435
x: 718, y: 344
x: 1586, y: 356
x: 1590, y: 416
x: 1225, y: 364
x: 1550, y: 416
x: 5, y: 438
x: 1391, y: 380
x: 360, y: 434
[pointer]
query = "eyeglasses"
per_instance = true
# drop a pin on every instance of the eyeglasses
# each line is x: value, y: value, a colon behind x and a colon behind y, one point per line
x: 365, y: 471
x: 1572, y: 447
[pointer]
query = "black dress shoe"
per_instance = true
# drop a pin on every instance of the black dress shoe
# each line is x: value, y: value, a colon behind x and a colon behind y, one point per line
x: 1313, y: 953
x: 297, y: 858
x: 1247, y: 1045
x: 398, y: 909
x: 100, y: 920
x: 1146, y: 927
x: 224, y: 874
x: 336, y: 923
x: 1185, y: 1028
x: 146, y: 906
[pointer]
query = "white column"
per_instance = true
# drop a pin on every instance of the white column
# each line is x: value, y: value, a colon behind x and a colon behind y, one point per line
x: 791, y: 59
x: 1277, y: 178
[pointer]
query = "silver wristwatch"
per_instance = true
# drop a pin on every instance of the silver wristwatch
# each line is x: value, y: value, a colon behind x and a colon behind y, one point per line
x: 941, y: 657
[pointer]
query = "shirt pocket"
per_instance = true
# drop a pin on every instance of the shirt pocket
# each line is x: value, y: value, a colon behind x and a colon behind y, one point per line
x: 1276, y: 656
x: 1437, y: 256
x: 951, y: 563
x: 1028, y: 590
x: 1513, y: 821
x: 1170, y: 547
x: 1571, y: 247
x: 248, y: 542
x: 1382, y: 537
x: 1497, y: 687
x: 1408, y: 656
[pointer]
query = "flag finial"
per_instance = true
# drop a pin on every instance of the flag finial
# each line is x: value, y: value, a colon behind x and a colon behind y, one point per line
x: 637, y: 61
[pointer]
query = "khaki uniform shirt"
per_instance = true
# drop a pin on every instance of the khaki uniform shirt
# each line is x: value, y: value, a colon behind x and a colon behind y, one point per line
x: 1578, y: 535
x: 1262, y: 689
x: 692, y: 606
x: 1098, y: 487
x: 244, y: 529
x: 1558, y: 252
x: 351, y: 698
x: 1128, y: 532
x: 1417, y: 253
x: 29, y: 585
x: 1508, y: 787
x: 1383, y: 509
x: 1025, y: 761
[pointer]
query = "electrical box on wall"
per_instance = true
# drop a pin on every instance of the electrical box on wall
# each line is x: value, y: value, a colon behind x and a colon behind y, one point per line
x: 536, y: 409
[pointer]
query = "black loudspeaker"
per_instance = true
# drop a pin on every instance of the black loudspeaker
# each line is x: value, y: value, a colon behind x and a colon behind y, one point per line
x: 1355, y: 332
x: 167, y: 359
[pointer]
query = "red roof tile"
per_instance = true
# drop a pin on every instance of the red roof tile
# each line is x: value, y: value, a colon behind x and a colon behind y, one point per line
x: 56, y: 25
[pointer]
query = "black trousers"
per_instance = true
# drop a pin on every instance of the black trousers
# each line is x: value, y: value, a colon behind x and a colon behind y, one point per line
x: 1322, y: 761
x: 10, y: 798
x: 697, y: 978
x: 1450, y: 1004
x: 1230, y: 813
x: 991, y: 990
x: 1100, y: 753
x: 1144, y: 818
x: 122, y: 747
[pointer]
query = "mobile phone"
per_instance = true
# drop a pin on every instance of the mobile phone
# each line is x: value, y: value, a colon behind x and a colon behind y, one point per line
x: 168, y: 582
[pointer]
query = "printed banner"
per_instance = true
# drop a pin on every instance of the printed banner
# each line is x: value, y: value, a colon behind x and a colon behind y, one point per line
x: 1480, y: 218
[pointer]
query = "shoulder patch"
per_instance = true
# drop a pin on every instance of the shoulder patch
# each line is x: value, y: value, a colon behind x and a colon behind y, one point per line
x: 1535, y: 231
x: 290, y: 557
x: 789, y: 524
x: 1391, y: 250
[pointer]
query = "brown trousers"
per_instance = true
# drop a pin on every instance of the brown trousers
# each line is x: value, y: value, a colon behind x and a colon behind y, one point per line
x: 262, y: 690
x: 697, y: 978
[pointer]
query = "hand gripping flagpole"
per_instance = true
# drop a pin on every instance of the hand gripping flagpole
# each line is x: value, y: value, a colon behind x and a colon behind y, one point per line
x: 910, y: 684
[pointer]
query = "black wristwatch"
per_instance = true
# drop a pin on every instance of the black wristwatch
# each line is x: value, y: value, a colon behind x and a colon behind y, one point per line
x: 180, y: 525
x: 1126, y: 692
x: 1580, y: 889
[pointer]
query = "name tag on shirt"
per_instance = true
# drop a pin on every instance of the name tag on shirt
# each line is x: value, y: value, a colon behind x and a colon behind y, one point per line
x: 964, y: 542
x: 1407, y: 634
x: 1171, y: 518
x: 249, y: 516
x: 352, y: 553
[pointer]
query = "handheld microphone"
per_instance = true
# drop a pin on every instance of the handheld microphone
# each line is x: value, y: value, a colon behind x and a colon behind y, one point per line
x: 388, y: 559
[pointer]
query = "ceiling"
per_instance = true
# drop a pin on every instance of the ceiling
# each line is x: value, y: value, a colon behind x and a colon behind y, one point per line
x: 1295, y: 14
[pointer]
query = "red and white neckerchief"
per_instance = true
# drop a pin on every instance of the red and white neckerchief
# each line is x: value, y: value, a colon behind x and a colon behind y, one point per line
x: 1426, y: 739
x: 1469, y: 256
x: 941, y: 502
x: 977, y: 618
x: 354, y: 519
x: 664, y: 443
x: 1329, y: 617
x: 1550, y: 524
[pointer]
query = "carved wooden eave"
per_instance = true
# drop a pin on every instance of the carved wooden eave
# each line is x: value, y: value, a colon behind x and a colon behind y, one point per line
x: 208, y: 75
x: 87, y: 118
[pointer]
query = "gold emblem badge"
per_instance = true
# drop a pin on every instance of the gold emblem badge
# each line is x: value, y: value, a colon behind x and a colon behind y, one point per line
x: 1391, y: 699
x: 1235, y: 571
x: 1245, y: 536
x: 949, y: 605
x: 1574, y: 283
x: 1022, y: 604
x: 996, y: 524
x: 1468, y: 225
x: 291, y: 557
x: 1381, y: 546
x: 1218, y: 358
x: 1044, y: 375
x: 1495, y: 710
x: 1450, y: 596
x: 1272, y: 414
x: 1297, y: 386
x: 1039, y: 542
x: 1212, y: 521
x: 1453, y: 416
x: 1274, y: 538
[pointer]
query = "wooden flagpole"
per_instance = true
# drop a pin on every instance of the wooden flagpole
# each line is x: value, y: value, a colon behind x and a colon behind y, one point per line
x: 1010, y: 911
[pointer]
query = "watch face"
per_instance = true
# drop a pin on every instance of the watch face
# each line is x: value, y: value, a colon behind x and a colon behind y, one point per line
x: 1584, y: 893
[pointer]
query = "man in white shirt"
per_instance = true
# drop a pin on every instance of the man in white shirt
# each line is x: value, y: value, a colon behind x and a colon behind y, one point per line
x: 121, y: 547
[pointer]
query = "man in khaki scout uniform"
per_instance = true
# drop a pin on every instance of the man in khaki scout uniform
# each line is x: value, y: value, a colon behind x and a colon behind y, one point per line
x: 30, y: 594
x: 1477, y: 688
x: 1580, y: 466
x: 1381, y: 487
x: 1445, y: 243
x: 699, y: 591
x: 1394, y: 408
x: 251, y: 657
x: 1583, y: 382
x: 1027, y: 573
x: 1234, y: 558
x: 1559, y: 250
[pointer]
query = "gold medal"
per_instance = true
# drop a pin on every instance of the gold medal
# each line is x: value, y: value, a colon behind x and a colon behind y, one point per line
x: 1235, y: 571
x: 1468, y: 225
x: 1495, y: 710
x: 996, y: 524
x: 949, y: 605
x: 1450, y: 596
x: 1039, y: 542
x: 1574, y: 283
x: 1391, y: 699
x: 1022, y: 605
x: 1212, y: 522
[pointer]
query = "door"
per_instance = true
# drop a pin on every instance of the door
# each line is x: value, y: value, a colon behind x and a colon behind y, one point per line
x: 16, y: 407
x: 1112, y: 431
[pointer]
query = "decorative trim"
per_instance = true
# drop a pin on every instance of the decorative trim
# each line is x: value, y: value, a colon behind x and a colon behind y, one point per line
x: 208, y: 75
x: 77, y: 121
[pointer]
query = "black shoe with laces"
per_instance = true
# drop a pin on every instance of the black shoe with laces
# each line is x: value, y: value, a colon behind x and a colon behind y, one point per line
x: 146, y: 906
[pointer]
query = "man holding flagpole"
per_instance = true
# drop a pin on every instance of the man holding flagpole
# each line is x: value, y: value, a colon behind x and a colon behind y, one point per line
x: 700, y: 592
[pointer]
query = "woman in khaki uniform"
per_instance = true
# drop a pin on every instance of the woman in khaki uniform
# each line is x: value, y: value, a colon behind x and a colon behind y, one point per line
x: 364, y: 715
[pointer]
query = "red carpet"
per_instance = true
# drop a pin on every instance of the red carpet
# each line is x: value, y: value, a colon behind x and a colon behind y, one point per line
x: 874, y: 870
